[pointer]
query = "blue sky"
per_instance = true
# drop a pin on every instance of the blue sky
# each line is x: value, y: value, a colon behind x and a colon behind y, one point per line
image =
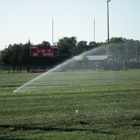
x: 22, y: 20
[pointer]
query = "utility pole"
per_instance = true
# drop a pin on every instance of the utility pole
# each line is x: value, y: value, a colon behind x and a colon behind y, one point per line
x: 94, y: 30
x: 108, y: 27
x: 52, y: 33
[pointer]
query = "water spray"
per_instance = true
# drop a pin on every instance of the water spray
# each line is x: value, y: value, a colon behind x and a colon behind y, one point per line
x: 30, y: 82
x: 57, y: 68
x: 69, y: 64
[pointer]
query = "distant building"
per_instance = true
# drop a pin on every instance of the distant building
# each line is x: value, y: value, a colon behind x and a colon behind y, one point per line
x: 94, y: 62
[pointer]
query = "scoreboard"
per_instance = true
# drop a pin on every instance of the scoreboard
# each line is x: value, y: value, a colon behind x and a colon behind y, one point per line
x: 43, y: 51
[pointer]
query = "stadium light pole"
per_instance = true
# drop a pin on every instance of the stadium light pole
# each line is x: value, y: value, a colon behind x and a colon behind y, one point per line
x: 94, y: 30
x: 108, y: 27
x: 52, y: 33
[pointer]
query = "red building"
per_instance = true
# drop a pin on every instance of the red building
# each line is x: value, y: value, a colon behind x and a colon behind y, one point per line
x: 43, y: 51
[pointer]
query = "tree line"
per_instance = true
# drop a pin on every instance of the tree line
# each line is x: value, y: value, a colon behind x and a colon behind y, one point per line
x: 18, y: 55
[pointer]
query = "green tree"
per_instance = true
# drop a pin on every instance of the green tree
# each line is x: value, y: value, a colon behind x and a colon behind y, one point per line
x: 14, y: 56
x: 84, y: 60
x: 44, y: 43
x: 82, y: 46
x: 92, y: 45
x: 5, y: 56
x: 24, y: 56
x: 117, y: 40
x: 67, y: 46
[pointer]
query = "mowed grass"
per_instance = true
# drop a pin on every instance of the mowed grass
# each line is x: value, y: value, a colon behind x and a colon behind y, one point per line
x: 108, y: 104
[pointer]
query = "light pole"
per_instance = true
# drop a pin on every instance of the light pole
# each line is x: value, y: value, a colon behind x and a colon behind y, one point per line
x: 94, y: 30
x: 52, y: 33
x: 108, y: 27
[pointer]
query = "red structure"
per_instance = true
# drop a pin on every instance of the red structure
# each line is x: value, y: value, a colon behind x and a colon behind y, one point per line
x: 43, y: 51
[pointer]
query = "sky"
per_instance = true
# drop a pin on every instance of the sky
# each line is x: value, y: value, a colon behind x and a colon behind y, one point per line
x: 24, y: 20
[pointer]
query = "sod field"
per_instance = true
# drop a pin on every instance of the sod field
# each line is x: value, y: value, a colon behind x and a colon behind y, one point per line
x: 104, y: 105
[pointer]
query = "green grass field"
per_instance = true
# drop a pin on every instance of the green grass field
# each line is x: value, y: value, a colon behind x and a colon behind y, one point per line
x: 108, y: 104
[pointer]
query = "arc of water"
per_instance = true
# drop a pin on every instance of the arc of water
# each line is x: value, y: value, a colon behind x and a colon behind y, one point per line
x: 59, y: 66
x: 40, y: 76
x: 31, y: 81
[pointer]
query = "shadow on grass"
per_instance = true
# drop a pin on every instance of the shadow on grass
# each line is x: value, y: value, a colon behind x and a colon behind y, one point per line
x: 23, y: 128
x: 2, y: 138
